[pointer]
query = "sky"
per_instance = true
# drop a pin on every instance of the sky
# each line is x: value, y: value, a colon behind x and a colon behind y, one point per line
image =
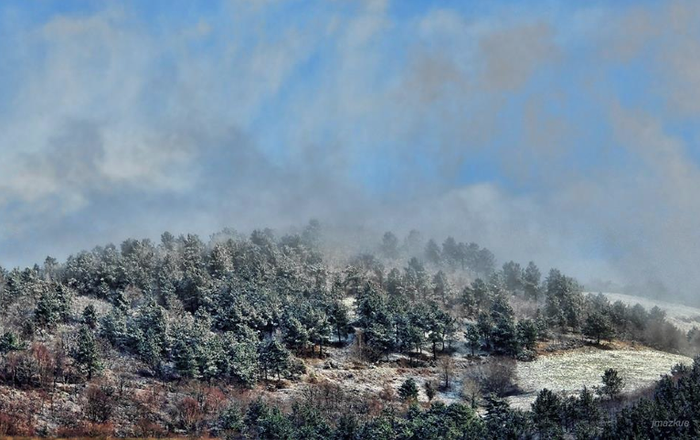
x: 560, y: 132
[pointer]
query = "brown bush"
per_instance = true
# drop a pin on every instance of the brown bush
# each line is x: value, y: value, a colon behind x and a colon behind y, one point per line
x: 387, y: 393
x: 188, y: 414
x: 496, y: 376
x: 149, y: 428
x: 88, y: 429
x: 44, y: 363
x: 16, y: 417
x: 99, y: 403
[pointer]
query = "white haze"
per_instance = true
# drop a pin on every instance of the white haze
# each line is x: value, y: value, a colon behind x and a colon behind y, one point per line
x: 115, y: 131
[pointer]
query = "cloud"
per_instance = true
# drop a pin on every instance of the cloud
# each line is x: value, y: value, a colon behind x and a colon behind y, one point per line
x: 559, y: 136
x: 511, y: 56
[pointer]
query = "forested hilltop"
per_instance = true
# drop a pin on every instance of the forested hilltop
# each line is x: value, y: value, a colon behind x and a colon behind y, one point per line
x: 226, y: 338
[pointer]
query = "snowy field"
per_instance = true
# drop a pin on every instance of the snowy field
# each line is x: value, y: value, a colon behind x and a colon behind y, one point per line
x: 570, y: 371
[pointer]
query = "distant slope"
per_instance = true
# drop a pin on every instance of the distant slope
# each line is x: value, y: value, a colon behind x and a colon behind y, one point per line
x: 682, y: 316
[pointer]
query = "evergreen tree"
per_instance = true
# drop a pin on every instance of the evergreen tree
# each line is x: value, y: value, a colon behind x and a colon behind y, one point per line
x: 504, y: 336
x: 89, y: 316
x: 240, y: 359
x: 273, y: 358
x: 390, y: 245
x: 296, y: 335
x: 502, y: 422
x: 432, y: 252
x: 485, y: 325
x: 597, y: 326
x: 86, y: 354
x: 63, y: 298
x: 613, y: 384
x: 472, y: 336
x: 113, y: 327
x: 513, y: 276
x: 10, y: 342
x: 527, y: 333
x: 46, y: 313
x: 184, y: 359
x: 485, y: 262
x: 450, y: 251
x: 441, y: 288
x: 547, y: 414
x: 339, y: 319
x: 587, y: 415
x: 209, y: 355
x: 378, y: 338
x: 408, y: 391
x: 531, y: 281
x: 415, y: 279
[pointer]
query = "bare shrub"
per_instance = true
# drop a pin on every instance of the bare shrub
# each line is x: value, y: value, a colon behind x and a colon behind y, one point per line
x: 16, y: 417
x: 446, y: 365
x: 471, y: 390
x: 388, y: 394
x: 99, y: 402
x: 148, y: 428
x: 87, y: 429
x: 497, y: 376
x: 188, y: 414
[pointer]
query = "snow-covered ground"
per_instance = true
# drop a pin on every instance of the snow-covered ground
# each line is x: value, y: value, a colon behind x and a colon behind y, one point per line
x: 570, y: 371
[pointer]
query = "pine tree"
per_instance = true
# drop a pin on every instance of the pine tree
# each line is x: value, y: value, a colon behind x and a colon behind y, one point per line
x: 485, y: 325
x: 10, y: 342
x: 408, y: 391
x: 46, y: 313
x: 473, y: 337
x: 587, y: 415
x: 63, y: 298
x: 476, y: 296
x: 184, y: 359
x: 378, y: 338
x: 598, y: 326
x: 295, y: 336
x: 273, y: 358
x: 113, y: 328
x: 441, y: 288
x: 547, y: 414
x: 240, y: 359
x: 613, y: 383
x: 415, y: 279
x: 390, y: 245
x: 513, y: 276
x: 504, y: 336
x: 527, y: 333
x: 85, y: 353
x: 89, y: 316
x: 149, y: 352
x: 432, y: 252
x: 502, y: 422
x: 531, y: 282
x: 209, y: 354
x: 339, y: 319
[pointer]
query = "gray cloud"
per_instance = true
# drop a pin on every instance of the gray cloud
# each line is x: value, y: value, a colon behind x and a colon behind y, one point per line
x: 119, y: 132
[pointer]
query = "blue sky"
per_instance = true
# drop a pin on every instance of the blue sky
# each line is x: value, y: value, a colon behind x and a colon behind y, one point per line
x: 564, y: 132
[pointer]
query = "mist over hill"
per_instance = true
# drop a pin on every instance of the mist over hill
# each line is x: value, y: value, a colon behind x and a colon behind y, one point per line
x: 562, y: 133
x: 349, y: 220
